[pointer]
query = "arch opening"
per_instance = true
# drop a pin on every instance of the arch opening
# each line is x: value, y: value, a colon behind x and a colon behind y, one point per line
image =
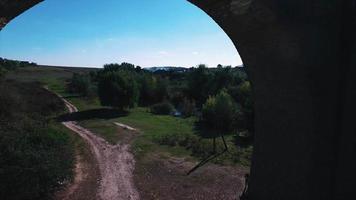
x: 227, y: 84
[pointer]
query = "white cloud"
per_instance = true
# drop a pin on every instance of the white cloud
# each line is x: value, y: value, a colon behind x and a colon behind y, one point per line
x: 163, y: 53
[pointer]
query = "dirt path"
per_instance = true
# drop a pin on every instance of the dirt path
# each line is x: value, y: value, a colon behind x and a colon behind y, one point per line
x: 116, y: 163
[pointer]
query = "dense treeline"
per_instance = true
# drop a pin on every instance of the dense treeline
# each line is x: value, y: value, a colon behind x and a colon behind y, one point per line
x: 221, y: 94
x: 36, y: 156
x: 7, y: 65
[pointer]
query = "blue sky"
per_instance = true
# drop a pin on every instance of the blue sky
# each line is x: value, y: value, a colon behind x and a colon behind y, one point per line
x: 143, y: 32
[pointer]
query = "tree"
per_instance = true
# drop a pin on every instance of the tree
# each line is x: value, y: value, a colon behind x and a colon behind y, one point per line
x: 164, y: 108
x: 148, y: 85
x: 118, y: 89
x: 223, y: 78
x: 245, y: 92
x: 161, y: 92
x: 122, y: 66
x: 80, y: 84
x: 218, y: 112
x: 199, y: 84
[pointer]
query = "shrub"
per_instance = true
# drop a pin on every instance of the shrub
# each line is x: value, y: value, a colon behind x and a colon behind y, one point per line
x: 164, y: 108
x: 34, y: 160
x: 202, y: 148
x: 184, y: 140
x: 34, y: 156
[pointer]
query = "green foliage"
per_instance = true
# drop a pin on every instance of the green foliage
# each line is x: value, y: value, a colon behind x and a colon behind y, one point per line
x: 199, y: 84
x: 164, y: 108
x: 123, y: 66
x: 203, y: 82
x: 118, y: 89
x: 34, y: 160
x: 81, y: 84
x: 35, y: 156
x: 188, y: 107
x: 117, y: 82
x: 202, y: 148
x: 162, y: 89
x: 148, y: 89
x: 219, y: 112
x: 247, y: 102
x: 181, y: 139
x: 223, y: 77
x: 14, y: 64
x: 11, y: 65
x: 152, y: 89
x: 245, y: 88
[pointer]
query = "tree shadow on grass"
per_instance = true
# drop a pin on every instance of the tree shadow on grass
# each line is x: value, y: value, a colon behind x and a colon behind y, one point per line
x: 102, y: 113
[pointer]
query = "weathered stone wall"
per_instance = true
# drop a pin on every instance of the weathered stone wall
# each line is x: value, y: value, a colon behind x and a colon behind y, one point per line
x: 301, y: 57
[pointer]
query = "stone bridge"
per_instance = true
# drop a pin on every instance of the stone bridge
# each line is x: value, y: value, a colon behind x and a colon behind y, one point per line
x: 301, y: 58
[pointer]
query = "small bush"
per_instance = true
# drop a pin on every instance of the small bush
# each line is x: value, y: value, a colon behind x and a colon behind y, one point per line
x: 203, y: 148
x: 164, y: 108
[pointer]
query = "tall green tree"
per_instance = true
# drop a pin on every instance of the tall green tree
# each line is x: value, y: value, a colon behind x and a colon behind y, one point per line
x: 161, y: 92
x: 118, y: 89
x: 199, y: 84
x: 247, y: 102
x: 148, y: 85
x: 80, y: 84
x: 218, y: 112
x: 223, y: 78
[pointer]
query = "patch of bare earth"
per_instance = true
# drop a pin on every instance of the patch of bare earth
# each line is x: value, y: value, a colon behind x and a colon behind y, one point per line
x: 85, y: 183
x: 115, y: 163
x: 166, y: 179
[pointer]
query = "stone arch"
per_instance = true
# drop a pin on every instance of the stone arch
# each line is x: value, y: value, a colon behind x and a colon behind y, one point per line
x: 300, y: 57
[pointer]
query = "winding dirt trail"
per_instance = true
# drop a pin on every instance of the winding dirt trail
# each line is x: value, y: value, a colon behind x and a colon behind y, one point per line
x: 116, y: 163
